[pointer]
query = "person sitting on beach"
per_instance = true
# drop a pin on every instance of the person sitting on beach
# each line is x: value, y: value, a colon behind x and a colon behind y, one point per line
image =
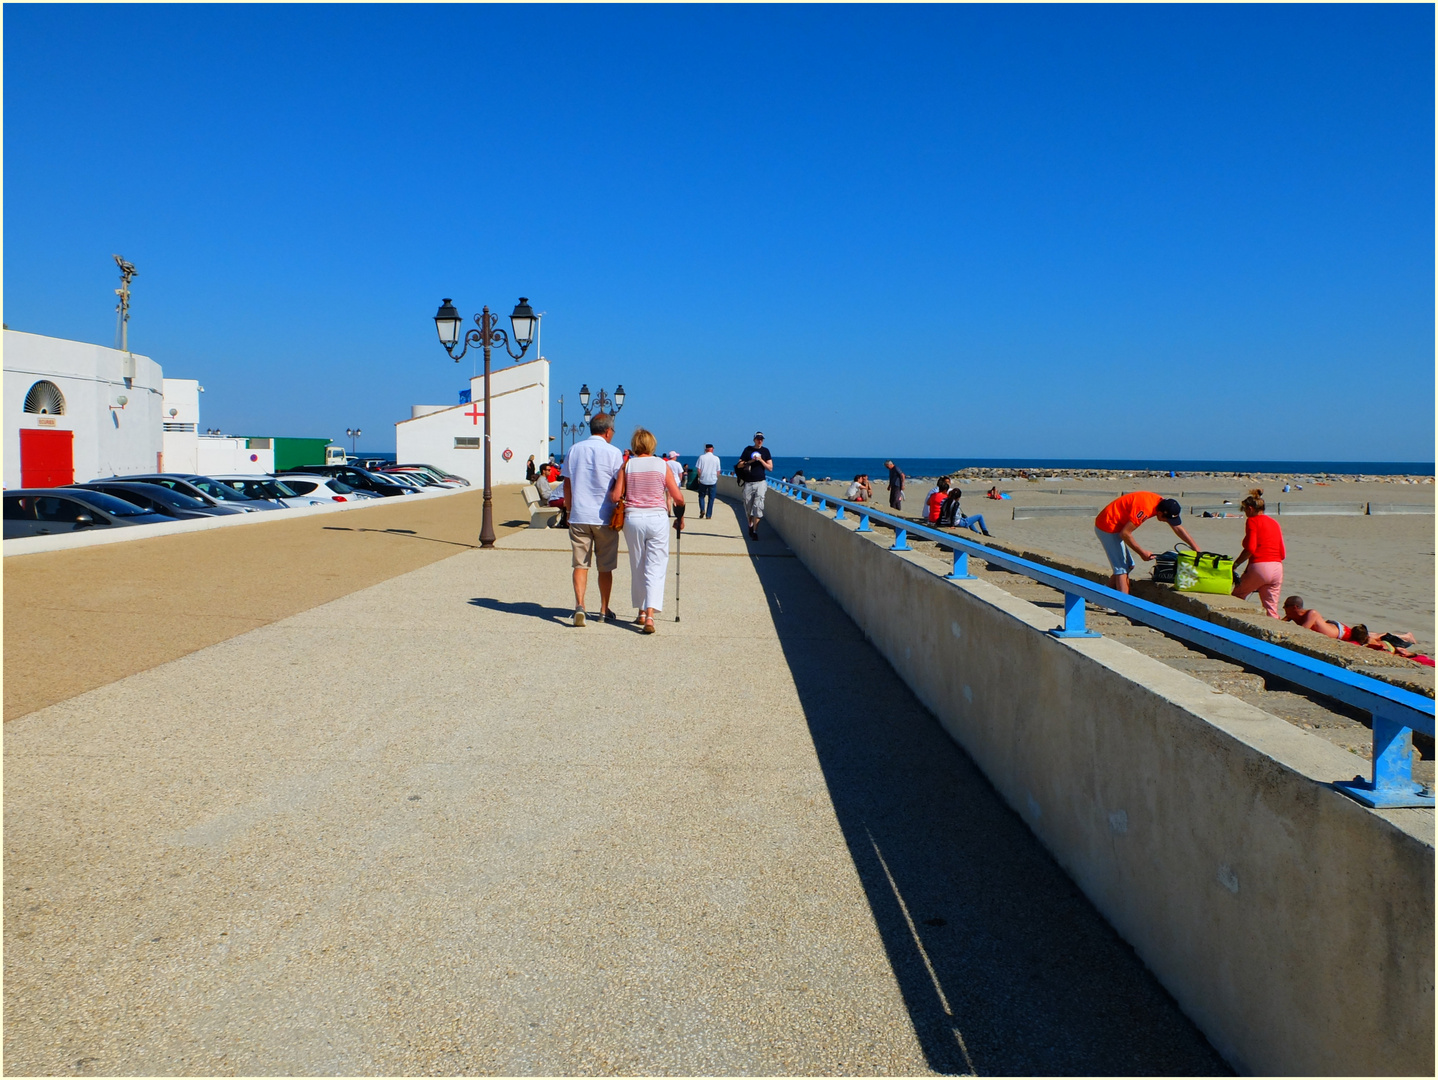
x: 951, y: 516
x: 995, y: 493
x: 934, y: 501
x: 798, y: 479
x: 860, y: 490
x: 1115, y: 527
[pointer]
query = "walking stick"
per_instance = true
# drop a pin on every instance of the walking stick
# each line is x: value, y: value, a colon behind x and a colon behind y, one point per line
x: 678, y: 555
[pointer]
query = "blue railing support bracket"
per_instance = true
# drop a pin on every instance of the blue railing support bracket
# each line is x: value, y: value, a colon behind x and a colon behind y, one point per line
x: 960, y: 572
x: 1392, y: 785
x: 901, y: 541
x: 1074, y: 625
x: 863, y: 523
x: 839, y: 516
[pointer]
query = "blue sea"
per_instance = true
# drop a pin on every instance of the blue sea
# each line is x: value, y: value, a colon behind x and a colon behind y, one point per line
x: 846, y: 467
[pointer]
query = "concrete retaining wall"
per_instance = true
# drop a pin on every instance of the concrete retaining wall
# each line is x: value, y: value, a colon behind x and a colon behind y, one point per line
x: 1294, y: 926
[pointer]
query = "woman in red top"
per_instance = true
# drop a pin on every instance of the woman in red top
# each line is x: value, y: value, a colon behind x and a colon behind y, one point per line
x: 935, y: 502
x: 1263, y: 551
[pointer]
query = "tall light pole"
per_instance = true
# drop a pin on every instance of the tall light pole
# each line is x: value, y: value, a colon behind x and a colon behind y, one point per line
x: 127, y: 274
x: 353, y: 433
x: 447, y: 323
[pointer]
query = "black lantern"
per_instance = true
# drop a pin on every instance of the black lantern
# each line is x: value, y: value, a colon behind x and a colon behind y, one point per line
x: 619, y: 397
x: 446, y: 322
x: 523, y: 320
x: 584, y: 397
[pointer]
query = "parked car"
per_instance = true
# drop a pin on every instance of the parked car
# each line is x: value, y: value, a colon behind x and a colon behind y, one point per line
x: 160, y: 499
x: 51, y: 511
x: 359, y: 479
x: 431, y: 470
x: 323, y: 487
x: 268, y: 487
x: 207, y: 488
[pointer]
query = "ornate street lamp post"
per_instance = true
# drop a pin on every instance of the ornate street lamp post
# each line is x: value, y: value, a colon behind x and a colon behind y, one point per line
x: 447, y: 323
x: 353, y: 433
x: 602, y: 401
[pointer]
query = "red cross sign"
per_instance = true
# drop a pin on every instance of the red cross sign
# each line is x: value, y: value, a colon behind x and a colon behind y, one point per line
x: 474, y: 412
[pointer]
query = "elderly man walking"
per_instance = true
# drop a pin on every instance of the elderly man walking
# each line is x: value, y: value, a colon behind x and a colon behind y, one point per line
x: 896, y: 486
x: 708, y: 468
x: 589, y: 471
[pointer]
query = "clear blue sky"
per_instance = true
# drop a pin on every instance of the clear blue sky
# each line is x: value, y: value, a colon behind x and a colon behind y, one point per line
x: 1196, y: 232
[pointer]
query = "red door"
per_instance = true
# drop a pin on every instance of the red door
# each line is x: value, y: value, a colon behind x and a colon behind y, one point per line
x: 47, y: 458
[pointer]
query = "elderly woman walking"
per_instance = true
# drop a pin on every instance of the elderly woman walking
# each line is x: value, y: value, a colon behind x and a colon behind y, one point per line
x: 642, y: 485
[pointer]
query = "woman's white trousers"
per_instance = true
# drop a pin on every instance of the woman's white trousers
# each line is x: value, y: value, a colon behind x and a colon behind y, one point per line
x: 646, y: 532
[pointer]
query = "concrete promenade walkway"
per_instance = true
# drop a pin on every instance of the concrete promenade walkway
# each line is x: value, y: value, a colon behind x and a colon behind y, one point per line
x: 428, y: 827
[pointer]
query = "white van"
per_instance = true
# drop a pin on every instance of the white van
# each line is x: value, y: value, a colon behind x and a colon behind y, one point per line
x: 335, y: 455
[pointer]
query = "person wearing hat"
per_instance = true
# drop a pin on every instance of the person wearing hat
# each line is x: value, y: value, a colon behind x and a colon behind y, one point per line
x: 672, y: 460
x: 753, y: 470
x: 1117, y: 521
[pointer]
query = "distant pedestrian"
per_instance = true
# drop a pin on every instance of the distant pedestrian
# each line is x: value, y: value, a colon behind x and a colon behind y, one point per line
x: 896, y: 486
x: 1117, y: 521
x: 1264, y: 553
x: 672, y: 460
x: 589, y: 471
x: 530, y: 471
x: 753, y: 469
x: 708, y: 466
x: 643, y: 484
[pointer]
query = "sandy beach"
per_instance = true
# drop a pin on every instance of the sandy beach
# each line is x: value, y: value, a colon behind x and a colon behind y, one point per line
x: 1374, y: 569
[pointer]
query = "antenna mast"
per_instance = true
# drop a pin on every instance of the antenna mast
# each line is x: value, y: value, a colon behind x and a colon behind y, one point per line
x: 127, y: 273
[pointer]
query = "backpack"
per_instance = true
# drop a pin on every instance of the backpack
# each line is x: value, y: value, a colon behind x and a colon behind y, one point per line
x: 949, y: 512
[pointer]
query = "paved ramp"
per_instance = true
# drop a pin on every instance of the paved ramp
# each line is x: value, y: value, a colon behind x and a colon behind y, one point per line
x: 430, y: 828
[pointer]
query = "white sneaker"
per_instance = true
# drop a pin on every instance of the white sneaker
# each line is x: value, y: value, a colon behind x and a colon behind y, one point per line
x: 578, y: 616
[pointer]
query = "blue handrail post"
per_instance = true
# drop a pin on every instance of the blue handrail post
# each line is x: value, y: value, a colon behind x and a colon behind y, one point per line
x: 960, y: 572
x: 822, y: 504
x: 839, y: 516
x: 1393, y: 784
x: 863, y: 524
x: 901, y: 540
x: 1074, y: 625
x: 808, y: 498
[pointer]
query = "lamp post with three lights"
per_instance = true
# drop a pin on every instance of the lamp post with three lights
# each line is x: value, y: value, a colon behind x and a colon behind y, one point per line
x: 447, y: 322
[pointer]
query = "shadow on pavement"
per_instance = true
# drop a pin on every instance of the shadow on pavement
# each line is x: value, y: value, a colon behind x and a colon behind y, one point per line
x: 1004, y: 965
x: 524, y: 607
x: 399, y: 532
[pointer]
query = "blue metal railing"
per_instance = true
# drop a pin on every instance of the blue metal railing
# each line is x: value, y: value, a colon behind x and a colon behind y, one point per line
x: 1396, y: 712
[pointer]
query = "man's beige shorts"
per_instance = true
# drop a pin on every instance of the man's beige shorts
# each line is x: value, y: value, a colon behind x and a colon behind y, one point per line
x: 598, y: 540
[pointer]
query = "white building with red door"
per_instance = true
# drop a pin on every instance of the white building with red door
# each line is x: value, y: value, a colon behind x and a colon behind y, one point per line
x: 451, y: 437
x: 75, y: 411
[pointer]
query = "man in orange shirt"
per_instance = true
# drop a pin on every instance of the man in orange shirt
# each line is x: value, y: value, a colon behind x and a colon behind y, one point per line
x: 1117, y: 521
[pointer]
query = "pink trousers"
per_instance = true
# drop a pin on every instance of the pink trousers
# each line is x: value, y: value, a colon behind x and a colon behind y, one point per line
x: 1267, y: 579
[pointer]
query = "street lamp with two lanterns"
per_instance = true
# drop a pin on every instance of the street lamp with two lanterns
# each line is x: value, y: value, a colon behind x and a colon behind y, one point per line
x: 602, y: 401
x: 447, y: 322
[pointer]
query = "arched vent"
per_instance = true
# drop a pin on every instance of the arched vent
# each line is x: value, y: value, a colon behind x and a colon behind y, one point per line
x: 45, y: 398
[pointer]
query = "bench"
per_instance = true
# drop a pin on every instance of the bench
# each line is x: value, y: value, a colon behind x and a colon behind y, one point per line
x: 540, y: 516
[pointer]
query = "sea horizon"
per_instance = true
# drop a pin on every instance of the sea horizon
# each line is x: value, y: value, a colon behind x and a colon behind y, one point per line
x: 847, y: 467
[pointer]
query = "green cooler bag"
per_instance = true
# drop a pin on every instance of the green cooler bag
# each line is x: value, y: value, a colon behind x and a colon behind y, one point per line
x: 1203, y: 571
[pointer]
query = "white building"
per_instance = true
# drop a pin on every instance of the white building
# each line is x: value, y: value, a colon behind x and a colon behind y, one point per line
x: 75, y: 412
x: 187, y: 451
x: 451, y: 437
